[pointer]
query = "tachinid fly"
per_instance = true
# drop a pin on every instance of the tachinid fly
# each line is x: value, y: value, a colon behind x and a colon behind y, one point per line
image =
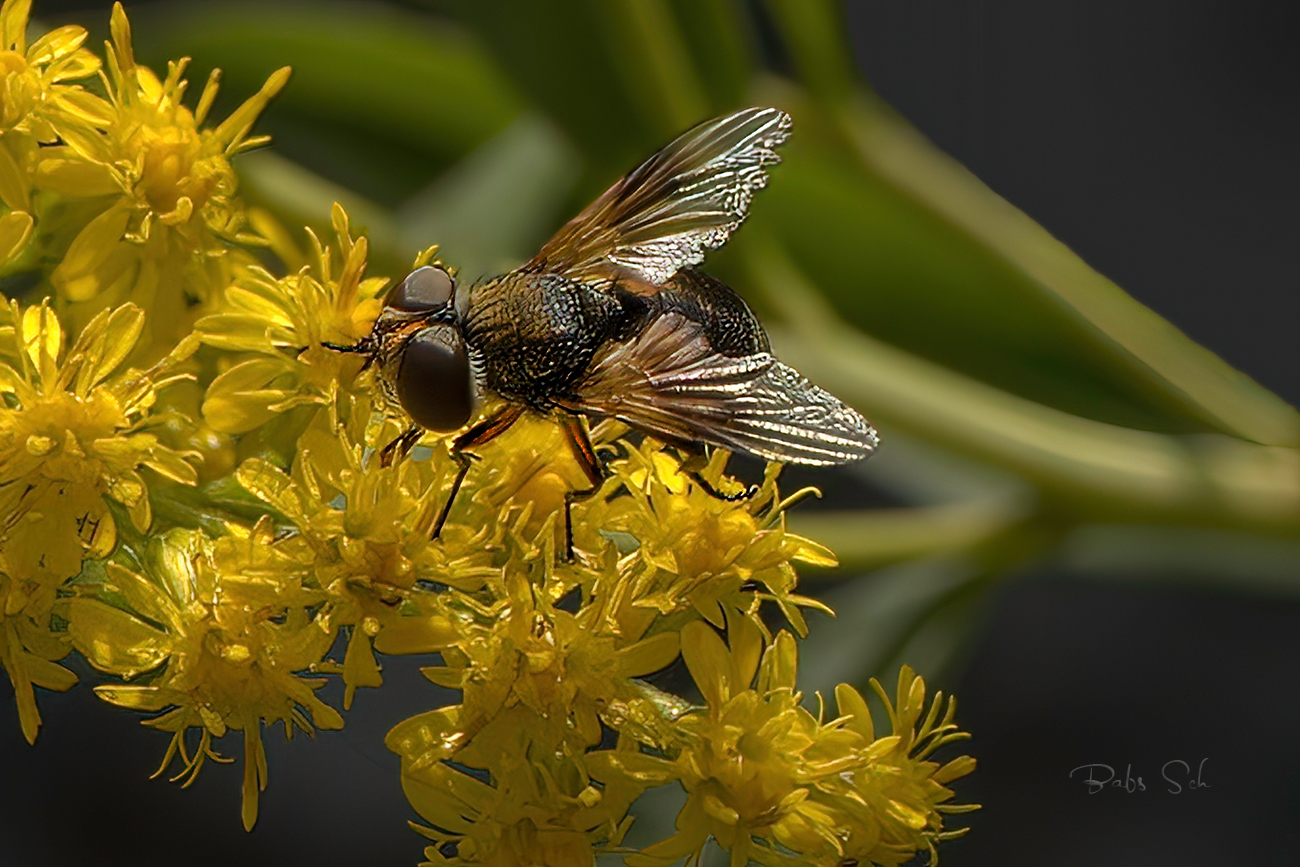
x: 611, y: 318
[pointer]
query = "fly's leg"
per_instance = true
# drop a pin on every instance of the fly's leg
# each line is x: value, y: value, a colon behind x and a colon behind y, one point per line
x: 465, y: 459
x: 398, y: 448
x: 365, y: 346
x: 696, y: 459
x: 707, y: 487
x: 483, y: 432
x: 585, y: 453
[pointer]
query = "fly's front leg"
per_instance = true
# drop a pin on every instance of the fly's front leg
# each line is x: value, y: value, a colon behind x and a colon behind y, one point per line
x: 398, y: 448
x: 575, y: 432
x: 365, y: 346
x: 465, y: 459
x: 483, y: 432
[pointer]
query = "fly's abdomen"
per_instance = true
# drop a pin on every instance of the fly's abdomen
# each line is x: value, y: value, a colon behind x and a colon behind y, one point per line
x: 731, y: 327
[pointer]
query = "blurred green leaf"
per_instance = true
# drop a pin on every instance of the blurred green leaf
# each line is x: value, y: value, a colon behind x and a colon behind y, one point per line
x: 919, y: 474
x: 879, y: 537
x: 815, y: 35
x: 492, y: 210
x: 876, y: 614
x: 388, y: 76
x: 988, y: 291
x: 299, y: 197
x: 619, y: 78
x: 1218, y: 559
x: 908, y: 276
x: 719, y: 35
x: 925, y: 610
x: 939, y: 645
x: 559, y: 55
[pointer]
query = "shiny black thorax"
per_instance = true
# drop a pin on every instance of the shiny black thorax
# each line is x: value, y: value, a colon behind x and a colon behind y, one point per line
x: 532, y: 336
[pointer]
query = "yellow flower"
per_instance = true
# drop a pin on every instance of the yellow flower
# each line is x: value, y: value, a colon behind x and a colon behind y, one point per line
x: 282, y: 324
x: 33, y: 99
x: 15, y: 229
x: 689, y: 551
x: 29, y: 646
x: 38, y: 108
x: 74, y: 437
x: 565, y: 668
x: 538, y: 808
x: 364, y: 530
x: 227, y: 624
x: 775, y: 785
x: 751, y: 759
x: 170, y: 232
x: 538, y: 681
x: 894, y: 803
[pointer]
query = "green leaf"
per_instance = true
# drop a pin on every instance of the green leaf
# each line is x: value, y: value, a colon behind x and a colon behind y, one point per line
x: 490, y: 212
x: 297, y: 196
x: 815, y: 35
x: 878, y: 537
x: 409, y: 84
x: 1148, y: 347
x: 565, y: 57
x: 1217, y: 559
x: 722, y: 39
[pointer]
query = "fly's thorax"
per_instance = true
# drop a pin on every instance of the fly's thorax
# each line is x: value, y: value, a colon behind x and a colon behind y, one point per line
x: 523, y: 309
x: 532, y: 335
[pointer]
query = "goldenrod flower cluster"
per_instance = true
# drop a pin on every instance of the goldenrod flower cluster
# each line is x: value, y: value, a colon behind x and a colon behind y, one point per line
x: 191, y: 499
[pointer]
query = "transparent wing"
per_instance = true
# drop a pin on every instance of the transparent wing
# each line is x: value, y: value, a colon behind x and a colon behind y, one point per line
x: 668, y: 381
x: 684, y: 200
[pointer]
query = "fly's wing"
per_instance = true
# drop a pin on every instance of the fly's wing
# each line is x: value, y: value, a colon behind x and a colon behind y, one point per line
x: 684, y: 200
x: 670, y: 382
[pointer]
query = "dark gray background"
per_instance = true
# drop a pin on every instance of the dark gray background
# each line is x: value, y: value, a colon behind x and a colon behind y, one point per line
x: 1158, y: 139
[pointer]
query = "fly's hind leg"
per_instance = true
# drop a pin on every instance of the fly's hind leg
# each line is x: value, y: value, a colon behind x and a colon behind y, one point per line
x: 485, y: 431
x: 585, y: 453
x: 707, y: 487
x: 695, y: 460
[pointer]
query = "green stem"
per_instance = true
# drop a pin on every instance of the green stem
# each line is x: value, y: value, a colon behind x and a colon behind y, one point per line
x: 871, y: 538
x: 891, y: 149
x: 1087, y: 470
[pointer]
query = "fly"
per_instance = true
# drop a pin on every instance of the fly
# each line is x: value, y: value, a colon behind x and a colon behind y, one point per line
x: 612, y: 318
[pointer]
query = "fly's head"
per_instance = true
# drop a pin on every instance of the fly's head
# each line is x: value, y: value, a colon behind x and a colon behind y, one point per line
x: 418, y: 350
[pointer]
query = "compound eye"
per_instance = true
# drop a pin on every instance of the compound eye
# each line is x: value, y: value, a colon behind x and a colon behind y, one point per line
x: 425, y: 289
x: 434, y: 383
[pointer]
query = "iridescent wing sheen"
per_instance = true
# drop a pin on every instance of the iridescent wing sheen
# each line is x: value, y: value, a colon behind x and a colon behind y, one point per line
x: 668, y: 381
x: 684, y: 200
